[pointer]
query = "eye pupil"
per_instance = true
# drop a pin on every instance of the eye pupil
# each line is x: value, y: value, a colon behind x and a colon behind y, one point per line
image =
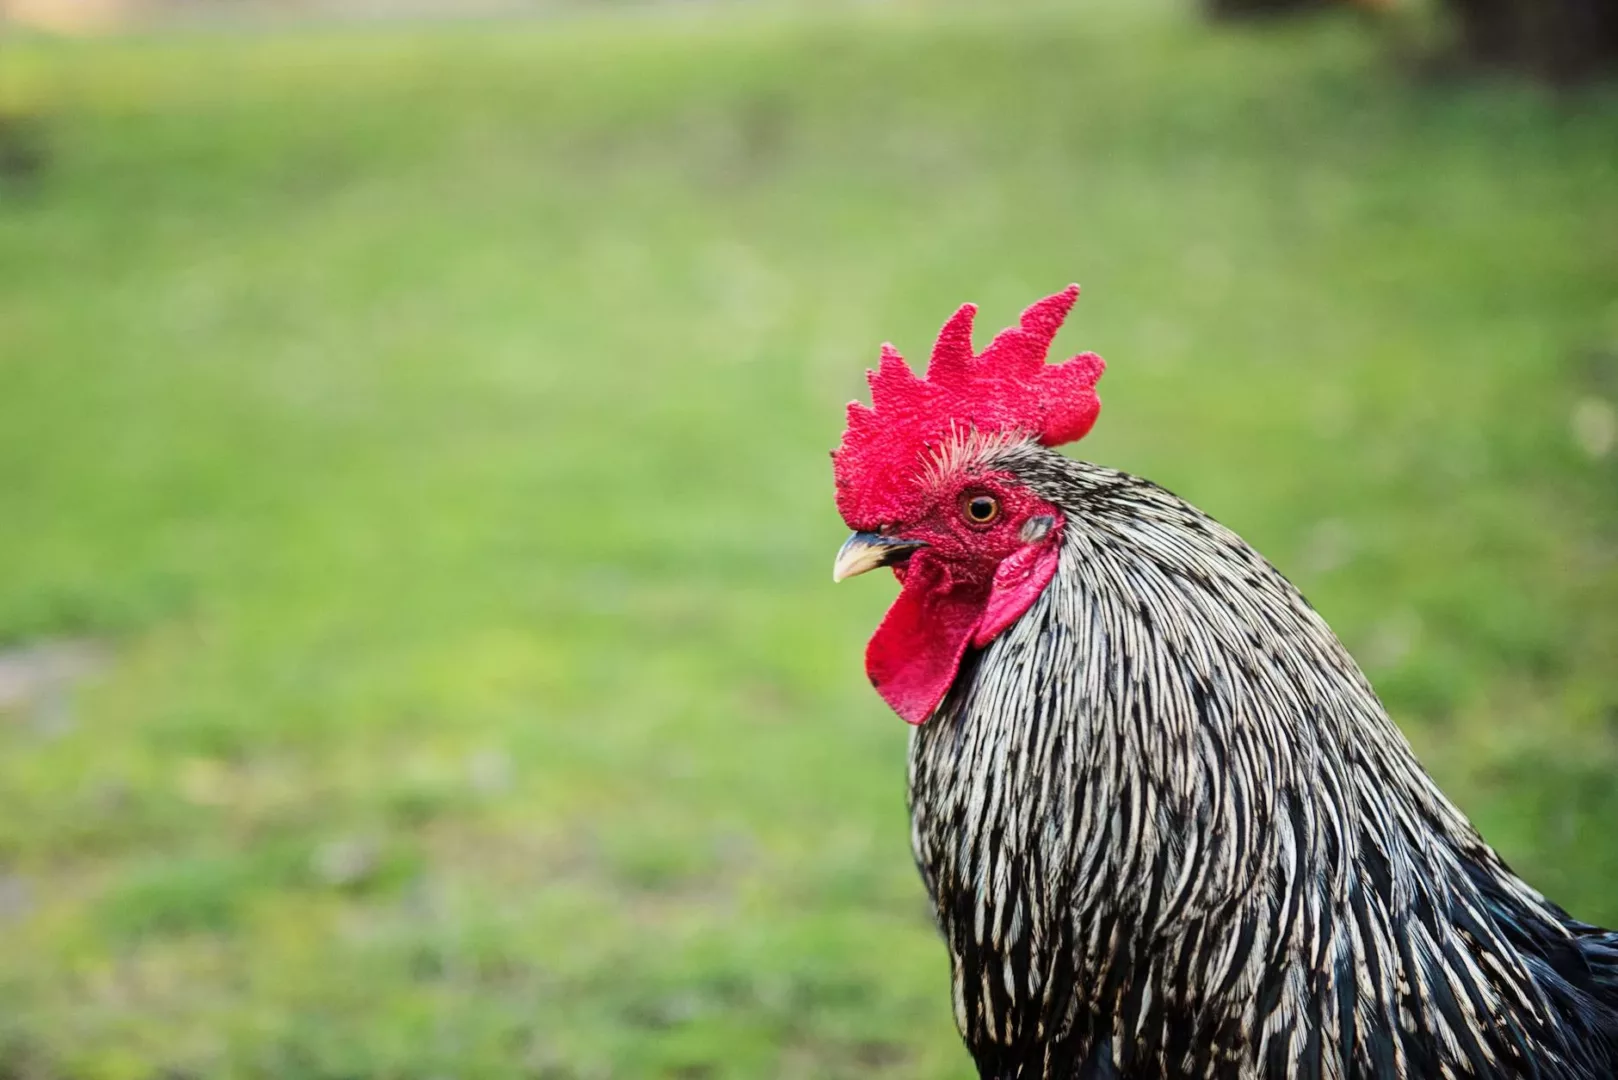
x: 982, y: 509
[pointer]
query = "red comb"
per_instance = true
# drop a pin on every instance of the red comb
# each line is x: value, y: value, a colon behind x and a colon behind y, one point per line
x: 1007, y: 388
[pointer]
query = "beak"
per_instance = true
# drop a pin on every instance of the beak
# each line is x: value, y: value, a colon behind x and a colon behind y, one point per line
x: 868, y: 550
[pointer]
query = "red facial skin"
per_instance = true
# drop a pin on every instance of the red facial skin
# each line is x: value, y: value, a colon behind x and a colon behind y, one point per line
x: 966, y: 587
x: 973, y: 580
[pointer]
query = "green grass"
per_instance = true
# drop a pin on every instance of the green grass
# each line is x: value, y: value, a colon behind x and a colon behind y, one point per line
x: 432, y: 429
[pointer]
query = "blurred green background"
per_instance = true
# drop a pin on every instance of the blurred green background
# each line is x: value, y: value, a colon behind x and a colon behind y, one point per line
x: 418, y: 657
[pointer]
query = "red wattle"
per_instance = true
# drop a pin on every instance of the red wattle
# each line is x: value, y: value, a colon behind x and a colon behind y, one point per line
x: 914, y: 655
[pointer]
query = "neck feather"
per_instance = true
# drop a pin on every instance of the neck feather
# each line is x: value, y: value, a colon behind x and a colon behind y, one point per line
x: 1170, y: 775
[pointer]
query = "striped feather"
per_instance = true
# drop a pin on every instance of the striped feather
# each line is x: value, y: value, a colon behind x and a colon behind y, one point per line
x: 1169, y: 831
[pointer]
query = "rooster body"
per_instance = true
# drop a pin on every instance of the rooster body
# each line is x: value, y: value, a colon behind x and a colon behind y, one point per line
x: 1169, y: 831
x: 1167, y: 827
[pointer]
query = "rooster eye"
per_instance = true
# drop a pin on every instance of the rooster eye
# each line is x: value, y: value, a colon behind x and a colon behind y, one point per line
x: 980, y: 509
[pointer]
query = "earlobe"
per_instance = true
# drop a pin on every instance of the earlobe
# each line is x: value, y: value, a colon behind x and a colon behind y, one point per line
x: 1037, y: 528
x: 1018, y: 581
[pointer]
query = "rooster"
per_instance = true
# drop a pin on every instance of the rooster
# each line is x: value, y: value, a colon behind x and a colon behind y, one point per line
x: 1166, y: 826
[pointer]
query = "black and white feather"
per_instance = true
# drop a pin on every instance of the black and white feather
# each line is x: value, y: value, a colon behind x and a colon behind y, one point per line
x: 1170, y: 832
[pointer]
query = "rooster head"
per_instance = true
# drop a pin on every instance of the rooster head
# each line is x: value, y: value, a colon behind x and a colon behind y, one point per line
x: 972, y: 548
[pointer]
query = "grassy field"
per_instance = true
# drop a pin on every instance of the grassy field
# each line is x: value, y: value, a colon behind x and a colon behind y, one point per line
x: 415, y: 518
